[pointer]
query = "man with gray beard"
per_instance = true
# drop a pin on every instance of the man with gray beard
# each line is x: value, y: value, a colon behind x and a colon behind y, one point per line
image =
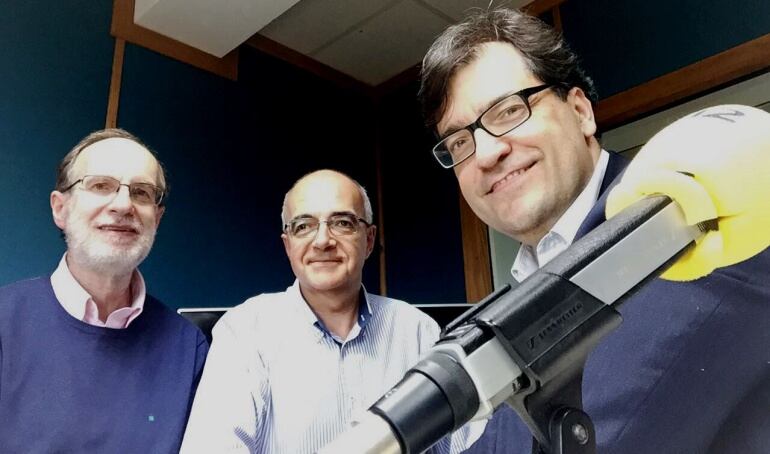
x: 89, y: 362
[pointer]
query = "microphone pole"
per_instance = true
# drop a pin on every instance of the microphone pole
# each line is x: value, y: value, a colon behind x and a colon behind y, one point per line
x: 527, y: 346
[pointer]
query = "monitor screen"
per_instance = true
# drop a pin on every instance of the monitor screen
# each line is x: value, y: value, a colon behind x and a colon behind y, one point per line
x: 206, y: 317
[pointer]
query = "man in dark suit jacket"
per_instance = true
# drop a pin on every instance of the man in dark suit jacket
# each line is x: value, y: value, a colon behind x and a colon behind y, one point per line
x: 688, y: 371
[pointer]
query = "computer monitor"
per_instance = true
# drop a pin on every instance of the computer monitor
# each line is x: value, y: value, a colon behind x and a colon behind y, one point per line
x: 206, y: 317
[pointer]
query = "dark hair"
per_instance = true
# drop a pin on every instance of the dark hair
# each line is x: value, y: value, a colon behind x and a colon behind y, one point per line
x: 543, y: 48
x: 63, y: 177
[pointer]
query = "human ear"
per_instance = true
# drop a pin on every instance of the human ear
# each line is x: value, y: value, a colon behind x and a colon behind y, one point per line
x: 59, y: 209
x: 584, y: 111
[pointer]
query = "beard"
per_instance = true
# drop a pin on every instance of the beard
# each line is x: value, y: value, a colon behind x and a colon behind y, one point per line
x: 92, y: 249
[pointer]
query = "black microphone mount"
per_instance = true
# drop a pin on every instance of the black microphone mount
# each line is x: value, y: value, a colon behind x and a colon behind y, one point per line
x: 528, y: 346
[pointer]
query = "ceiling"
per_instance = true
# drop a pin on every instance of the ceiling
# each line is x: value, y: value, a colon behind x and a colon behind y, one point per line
x: 368, y: 40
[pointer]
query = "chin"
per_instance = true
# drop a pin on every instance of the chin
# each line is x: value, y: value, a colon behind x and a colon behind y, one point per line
x: 117, y: 262
x: 102, y: 255
x: 111, y: 259
x: 326, y: 283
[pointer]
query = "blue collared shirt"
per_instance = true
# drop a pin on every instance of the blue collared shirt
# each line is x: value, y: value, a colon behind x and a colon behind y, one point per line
x: 364, y: 314
x: 529, y: 259
x: 276, y: 381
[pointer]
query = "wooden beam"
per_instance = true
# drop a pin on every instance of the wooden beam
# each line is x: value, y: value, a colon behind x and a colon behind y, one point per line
x: 538, y: 7
x: 556, y: 13
x: 380, y: 220
x: 123, y: 27
x: 710, y: 73
x: 478, y: 267
x: 302, y: 61
x: 117, y: 74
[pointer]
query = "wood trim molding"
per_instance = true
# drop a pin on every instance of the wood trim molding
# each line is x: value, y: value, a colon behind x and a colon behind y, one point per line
x: 538, y: 7
x: 740, y: 61
x: 556, y: 13
x: 476, y: 261
x: 281, y: 52
x: 380, y: 210
x: 123, y: 27
x: 117, y: 75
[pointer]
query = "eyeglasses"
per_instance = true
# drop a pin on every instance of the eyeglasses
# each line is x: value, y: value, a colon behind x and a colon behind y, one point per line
x: 339, y: 224
x: 503, y: 117
x: 101, y: 185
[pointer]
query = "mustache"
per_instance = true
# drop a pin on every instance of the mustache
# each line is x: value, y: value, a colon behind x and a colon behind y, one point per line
x: 125, y: 222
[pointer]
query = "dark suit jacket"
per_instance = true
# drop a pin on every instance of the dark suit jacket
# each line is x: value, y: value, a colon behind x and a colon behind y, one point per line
x: 688, y: 370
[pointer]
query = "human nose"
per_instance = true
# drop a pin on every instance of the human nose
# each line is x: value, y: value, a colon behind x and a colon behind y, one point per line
x: 323, y: 238
x: 489, y: 149
x: 121, y: 200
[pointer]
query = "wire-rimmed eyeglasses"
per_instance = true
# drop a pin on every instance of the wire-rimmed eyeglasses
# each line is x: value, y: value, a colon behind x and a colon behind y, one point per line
x: 102, y: 185
x: 339, y: 224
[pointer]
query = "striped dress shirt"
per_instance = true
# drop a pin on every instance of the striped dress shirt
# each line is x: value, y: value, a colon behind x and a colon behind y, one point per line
x: 276, y: 381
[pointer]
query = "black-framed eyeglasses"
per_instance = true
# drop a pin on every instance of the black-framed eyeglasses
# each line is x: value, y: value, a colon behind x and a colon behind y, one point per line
x: 105, y: 186
x: 503, y: 117
x: 338, y: 224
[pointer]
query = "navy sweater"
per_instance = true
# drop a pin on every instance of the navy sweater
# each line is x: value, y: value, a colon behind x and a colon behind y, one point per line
x: 66, y: 386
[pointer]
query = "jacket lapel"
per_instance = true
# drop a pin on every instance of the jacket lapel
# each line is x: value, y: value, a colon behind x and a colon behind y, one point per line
x: 615, y: 167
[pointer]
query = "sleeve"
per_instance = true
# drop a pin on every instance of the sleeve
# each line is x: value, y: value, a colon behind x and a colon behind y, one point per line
x: 230, y: 407
x: 201, y: 351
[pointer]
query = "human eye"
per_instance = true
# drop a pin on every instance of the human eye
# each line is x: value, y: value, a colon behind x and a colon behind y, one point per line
x: 100, y: 185
x: 343, y: 222
x: 143, y: 193
x: 457, y: 143
x: 509, y: 110
x: 301, y: 227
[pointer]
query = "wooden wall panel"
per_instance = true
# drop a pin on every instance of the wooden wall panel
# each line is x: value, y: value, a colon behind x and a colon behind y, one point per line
x: 117, y: 75
x: 692, y: 80
x: 478, y: 267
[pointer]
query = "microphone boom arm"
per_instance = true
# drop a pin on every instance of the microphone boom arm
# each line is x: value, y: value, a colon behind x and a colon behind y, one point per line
x: 528, y: 346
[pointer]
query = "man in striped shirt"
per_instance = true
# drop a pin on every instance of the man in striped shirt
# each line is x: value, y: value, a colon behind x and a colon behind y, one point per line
x: 288, y: 372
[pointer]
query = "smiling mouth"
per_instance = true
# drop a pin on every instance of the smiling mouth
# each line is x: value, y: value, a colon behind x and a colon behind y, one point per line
x: 118, y: 229
x: 324, y: 261
x: 509, y: 178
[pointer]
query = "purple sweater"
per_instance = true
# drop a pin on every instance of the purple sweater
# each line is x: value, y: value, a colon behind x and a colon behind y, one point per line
x: 66, y: 386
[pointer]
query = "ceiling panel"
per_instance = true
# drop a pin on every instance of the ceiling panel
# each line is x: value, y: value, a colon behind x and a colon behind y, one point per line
x: 388, y: 44
x: 311, y: 24
x: 215, y: 27
x: 458, y: 9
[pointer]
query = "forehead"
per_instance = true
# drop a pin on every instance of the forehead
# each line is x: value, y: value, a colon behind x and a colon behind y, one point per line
x: 498, y: 69
x: 116, y: 157
x: 324, y: 194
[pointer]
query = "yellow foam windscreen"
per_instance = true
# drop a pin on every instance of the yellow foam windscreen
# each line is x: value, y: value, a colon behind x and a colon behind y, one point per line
x: 715, y: 163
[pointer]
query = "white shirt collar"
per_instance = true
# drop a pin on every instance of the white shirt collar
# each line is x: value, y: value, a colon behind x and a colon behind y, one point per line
x: 562, y: 234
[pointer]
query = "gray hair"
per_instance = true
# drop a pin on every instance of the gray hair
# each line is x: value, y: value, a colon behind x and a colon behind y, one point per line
x: 368, y: 215
x: 64, y: 172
